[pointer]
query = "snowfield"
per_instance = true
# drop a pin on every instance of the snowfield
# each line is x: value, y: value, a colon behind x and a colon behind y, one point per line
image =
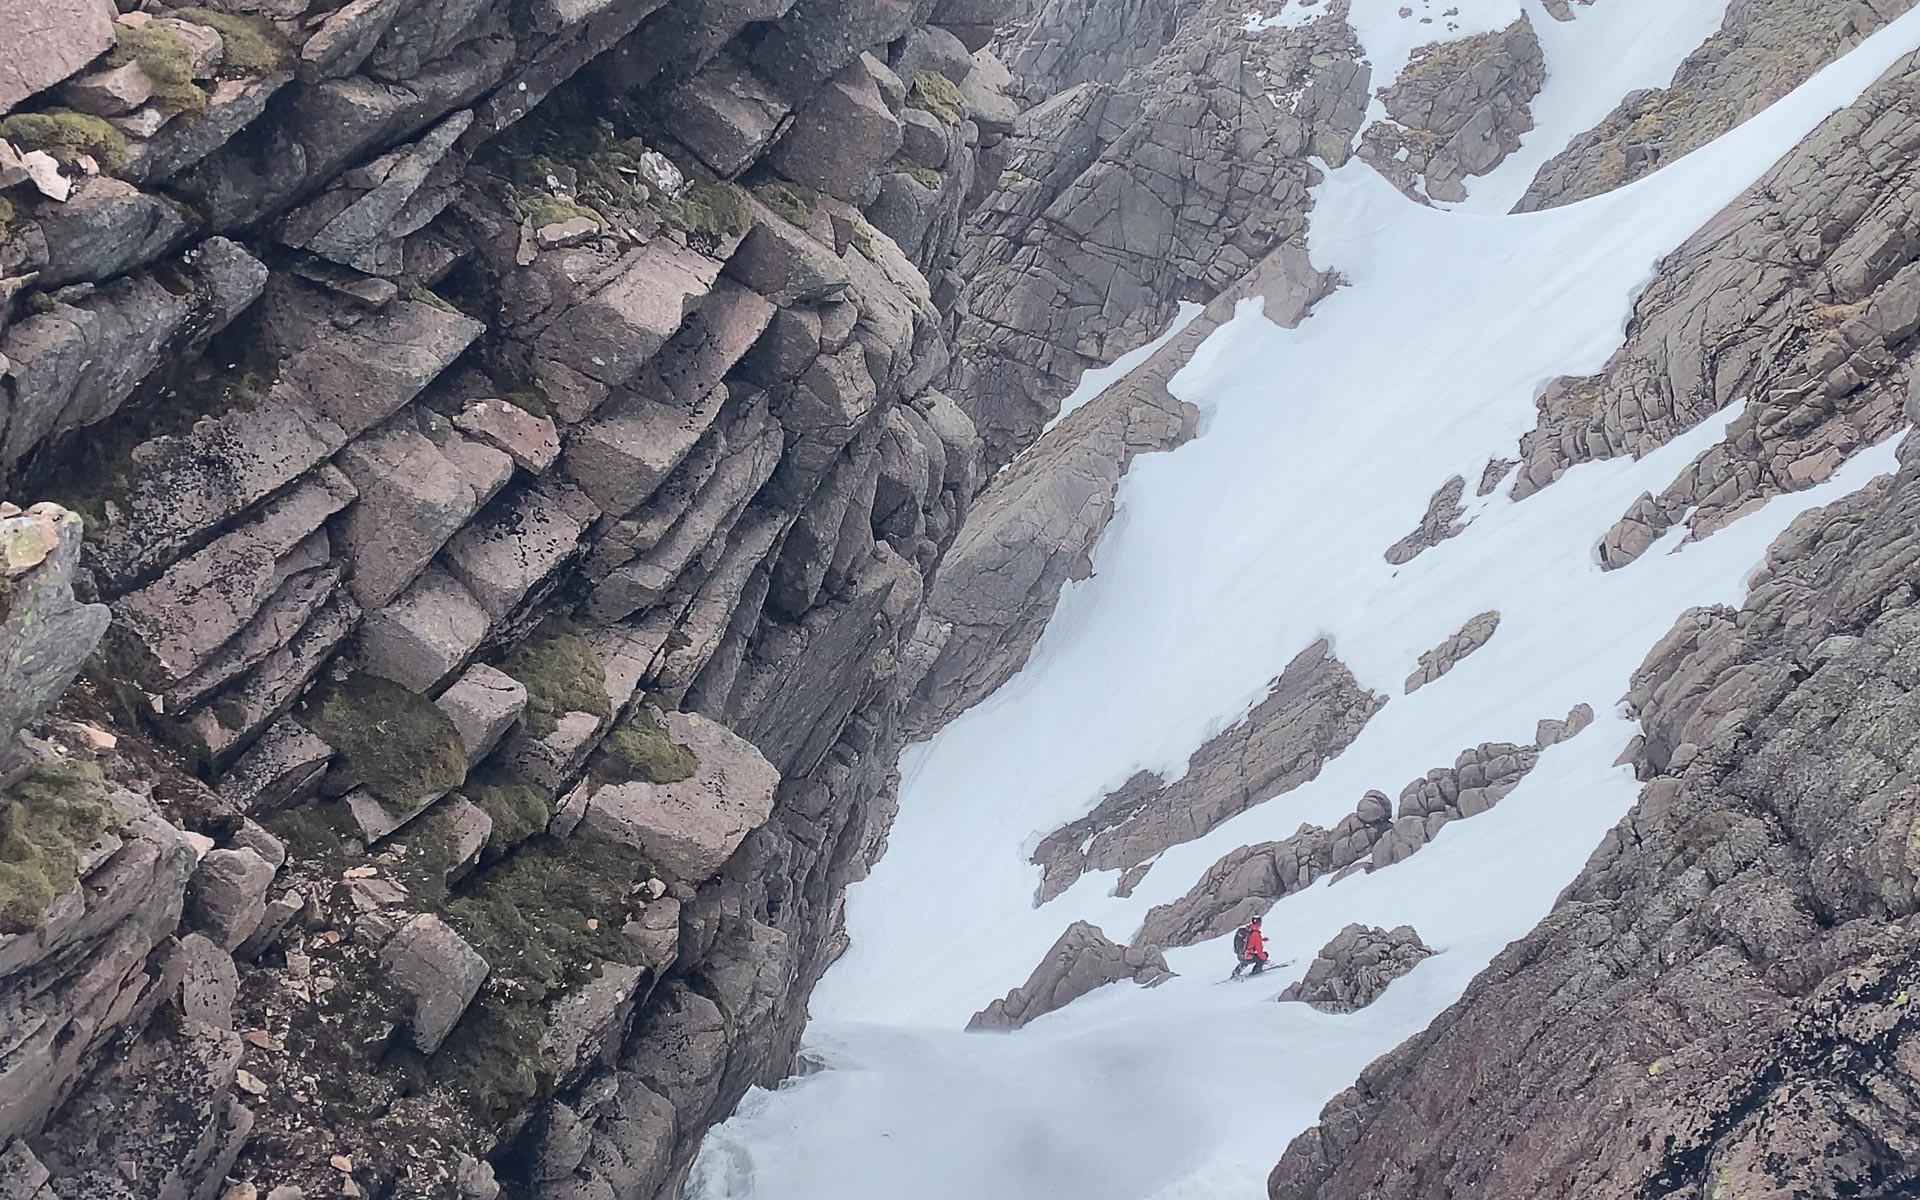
x: 1319, y: 447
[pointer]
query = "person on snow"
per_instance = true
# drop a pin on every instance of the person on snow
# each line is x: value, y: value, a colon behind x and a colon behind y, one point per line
x: 1250, y: 946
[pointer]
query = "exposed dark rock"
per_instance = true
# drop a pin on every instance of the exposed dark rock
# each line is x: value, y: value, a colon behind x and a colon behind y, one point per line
x: 1353, y: 969
x: 1717, y: 1000
x: 1765, y: 48
x: 1311, y: 713
x: 1457, y: 110
x: 1816, y: 348
x: 1082, y: 960
x: 1477, y: 632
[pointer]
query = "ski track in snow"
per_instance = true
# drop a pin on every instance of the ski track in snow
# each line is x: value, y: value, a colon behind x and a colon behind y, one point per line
x: 1318, y: 448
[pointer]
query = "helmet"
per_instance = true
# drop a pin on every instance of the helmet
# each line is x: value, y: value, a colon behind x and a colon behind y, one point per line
x: 1254, y: 921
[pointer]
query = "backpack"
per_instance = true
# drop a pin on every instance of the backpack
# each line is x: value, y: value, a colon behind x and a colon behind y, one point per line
x: 1240, y: 942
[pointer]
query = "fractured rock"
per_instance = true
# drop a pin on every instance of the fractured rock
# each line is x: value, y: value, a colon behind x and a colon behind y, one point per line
x: 483, y: 704
x: 227, y: 896
x: 1353, y: 969
x: 690, y: 827
x: 64, y: 36
x: 1081, y: 960
x: 45, y: 633
x: 435, y: 974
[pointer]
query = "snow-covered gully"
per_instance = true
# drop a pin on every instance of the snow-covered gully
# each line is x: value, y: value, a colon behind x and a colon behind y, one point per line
x: 1318, y: 448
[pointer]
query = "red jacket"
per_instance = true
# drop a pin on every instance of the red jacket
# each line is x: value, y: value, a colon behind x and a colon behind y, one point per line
x: 1256, y: 943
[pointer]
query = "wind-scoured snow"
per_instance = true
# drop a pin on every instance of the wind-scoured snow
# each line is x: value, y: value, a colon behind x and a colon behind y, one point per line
x: 1319, y: 447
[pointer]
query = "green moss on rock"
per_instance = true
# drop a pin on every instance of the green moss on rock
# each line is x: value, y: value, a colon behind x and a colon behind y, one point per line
x: 545, y: 919
x: 396, y: 744
x: 165, y: 60
x: 253, y: 45
x: 517, y: 808
x: 548, y: 208
x: 717, y: 209
x: 639, y: 748
x: 67, y: 135
x: 556, y: 665
x: 935, y: 93
x: 46, y: 819
x: 925, y: 177
x: 789, y: 201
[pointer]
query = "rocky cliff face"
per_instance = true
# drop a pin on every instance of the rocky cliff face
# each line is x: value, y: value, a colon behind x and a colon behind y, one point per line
x: 501, y: 464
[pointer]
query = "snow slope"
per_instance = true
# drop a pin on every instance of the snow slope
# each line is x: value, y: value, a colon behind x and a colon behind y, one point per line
x: 1319, y: 447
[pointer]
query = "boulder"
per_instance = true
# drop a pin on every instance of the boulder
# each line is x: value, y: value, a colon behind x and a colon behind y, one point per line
x: 176, y: 626
x: 106, y: 228
x: 108, y: 91
x: 529, y: 440
x: 483, y: 704
x: 606, y: 335
x: 435, y: 975
x: 227, y: 896
x: 413, y: 499
x: 1353, y: 969
x: 45, y: 633
x: 726, y: 115
x: 425, y: 634
x: 924, y: 140
x: 280, y: 769
x: 689, y: 828
x: 209, y: 982
x: 785, y: 263
x: 59, y: 38
x: 839, y: 140
x: 518, y: 543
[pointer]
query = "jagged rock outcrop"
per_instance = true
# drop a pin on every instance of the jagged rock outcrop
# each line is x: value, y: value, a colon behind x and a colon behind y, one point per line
x: 1060, y: 44
x: 45, y: 633
x: 1119, y: 198
x: 1479, y: 779
x: 1312, y: 711
x: 513, y: 460
x: 1440, y: 522
x: 1246, y: 882
x: 1082, y: 960
x: 1720, y: 999
x: 1765, y: 48
x: 1477, y: 632
x: 1815, y: 348
x: 1457, y: 110
x: 1034, y: 526
x: 1353, y: 969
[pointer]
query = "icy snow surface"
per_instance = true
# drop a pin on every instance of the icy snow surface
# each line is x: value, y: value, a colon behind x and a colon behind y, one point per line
x: 1319, y: 447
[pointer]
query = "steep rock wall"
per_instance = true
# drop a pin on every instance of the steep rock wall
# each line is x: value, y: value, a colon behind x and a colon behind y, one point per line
x: 509, y: 449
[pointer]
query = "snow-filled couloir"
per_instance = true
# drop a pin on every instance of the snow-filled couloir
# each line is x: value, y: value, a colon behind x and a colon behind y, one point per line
x: 1318, y: 448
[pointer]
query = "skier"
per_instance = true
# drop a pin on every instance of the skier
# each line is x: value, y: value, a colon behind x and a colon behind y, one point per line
x: 1250, y: 947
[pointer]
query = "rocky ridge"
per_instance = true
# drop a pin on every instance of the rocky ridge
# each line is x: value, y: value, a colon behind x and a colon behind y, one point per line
x: 512, y: 463
x: 1082, y: 960
x: 1378, y: 833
